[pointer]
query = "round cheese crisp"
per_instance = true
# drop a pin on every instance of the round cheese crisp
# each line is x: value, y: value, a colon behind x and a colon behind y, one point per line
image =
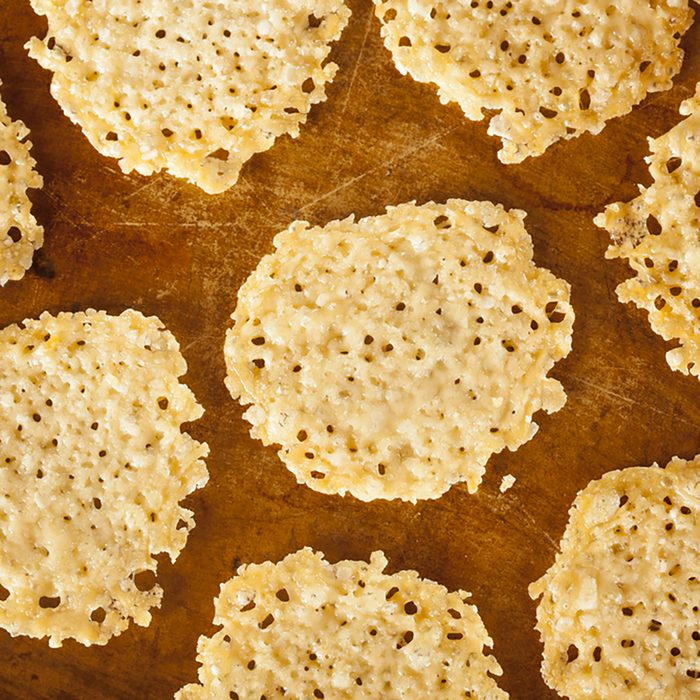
x: 93, y: 466
x: 304, y: 628
x: 540, y: 71
x: 391, y: 357
x: 619, y: 611
x: 193, y: 88
x: 20, y: 234
x: 658, y: 234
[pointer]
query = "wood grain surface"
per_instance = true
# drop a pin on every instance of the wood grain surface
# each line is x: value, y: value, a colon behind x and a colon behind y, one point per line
x: 161, y: 246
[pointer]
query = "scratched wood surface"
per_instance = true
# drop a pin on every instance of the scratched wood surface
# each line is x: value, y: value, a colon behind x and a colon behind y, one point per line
x: 163, y: 247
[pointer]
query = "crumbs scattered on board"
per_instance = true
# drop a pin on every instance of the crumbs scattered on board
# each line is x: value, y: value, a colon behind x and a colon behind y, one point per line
x: 506, y: 482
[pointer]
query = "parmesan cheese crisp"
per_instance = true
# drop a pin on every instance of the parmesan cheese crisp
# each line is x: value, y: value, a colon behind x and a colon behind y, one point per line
x: 193, y: 88
x: 20, y: 234
x: 659, y: 234
x: 392, y: 356
x: 305, y: 628
x: 619, y: 610
x: 93, y: 466
x: 540, y: 71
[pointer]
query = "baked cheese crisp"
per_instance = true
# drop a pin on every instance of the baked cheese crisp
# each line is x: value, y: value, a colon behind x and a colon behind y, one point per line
x: 192, y: 88
x: 95, y: 464
x: 619, y: 611
x: 657, y: 233
x: 391, y: 357
x: 20, y: 234
x: 304, y: 628
x: 539, y: 71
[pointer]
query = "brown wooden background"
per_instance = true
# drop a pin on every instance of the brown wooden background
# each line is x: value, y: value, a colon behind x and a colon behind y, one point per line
x: 165, y: 248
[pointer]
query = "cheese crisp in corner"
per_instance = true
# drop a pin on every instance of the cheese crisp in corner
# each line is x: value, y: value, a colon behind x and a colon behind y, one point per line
x: 390, y: 357
x: 95, y: 465
x: 304, y: 628
x: 619, y: 609
x: 657, y: 233
x: 20, y: 234
x: 189, y: 87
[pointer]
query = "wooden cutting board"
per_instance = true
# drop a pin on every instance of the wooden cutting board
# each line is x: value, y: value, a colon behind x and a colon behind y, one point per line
x: 161, y: 246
